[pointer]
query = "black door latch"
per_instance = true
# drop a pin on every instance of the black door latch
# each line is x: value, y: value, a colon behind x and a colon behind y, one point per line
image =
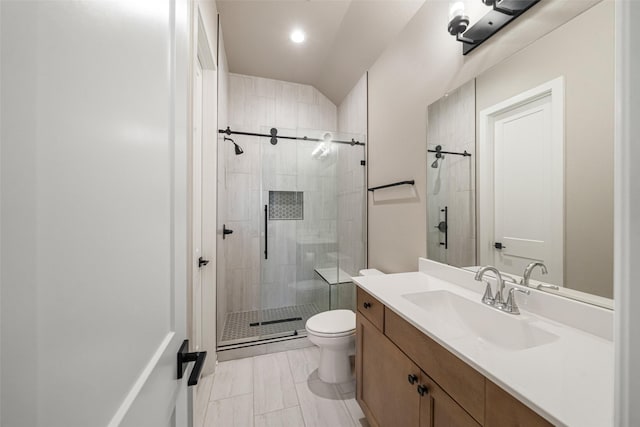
x: 202, y: 262
x: 499, y: 245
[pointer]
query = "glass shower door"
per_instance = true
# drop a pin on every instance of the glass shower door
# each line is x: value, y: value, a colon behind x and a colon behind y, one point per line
x: 352, y: 225
x: 299, y: 234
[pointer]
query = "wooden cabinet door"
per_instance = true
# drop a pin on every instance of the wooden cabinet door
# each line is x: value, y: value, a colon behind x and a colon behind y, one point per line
x: 438, y: 409
x: 383, y: 376
x: 504, y: 410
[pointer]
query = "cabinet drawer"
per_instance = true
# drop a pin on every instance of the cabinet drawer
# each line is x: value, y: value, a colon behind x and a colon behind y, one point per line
x: 371, y: 308
x: 504, y: 410
x: 463, y: 383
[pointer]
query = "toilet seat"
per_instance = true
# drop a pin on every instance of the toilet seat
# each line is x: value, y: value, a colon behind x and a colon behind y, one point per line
x: 333, y: 323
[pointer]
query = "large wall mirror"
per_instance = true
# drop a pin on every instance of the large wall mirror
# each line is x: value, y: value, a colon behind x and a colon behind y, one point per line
x: 520, y: 163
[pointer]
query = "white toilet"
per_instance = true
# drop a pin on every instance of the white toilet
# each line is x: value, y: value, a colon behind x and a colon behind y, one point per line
x: 334, y: 331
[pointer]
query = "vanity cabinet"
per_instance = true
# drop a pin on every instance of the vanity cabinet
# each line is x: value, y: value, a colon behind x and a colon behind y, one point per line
x: 387, y: 381
x: 404, y: 378
x: 393, y: 391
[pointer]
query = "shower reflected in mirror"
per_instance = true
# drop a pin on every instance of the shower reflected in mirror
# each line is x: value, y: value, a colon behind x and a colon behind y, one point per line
x: 439, y: 156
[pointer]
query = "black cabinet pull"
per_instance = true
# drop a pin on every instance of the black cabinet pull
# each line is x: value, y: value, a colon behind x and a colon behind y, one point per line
x: 422, y: 390
x: 202, y: 262
x: 185, y: 357
x: 367, y: 304
x: 412, y: 378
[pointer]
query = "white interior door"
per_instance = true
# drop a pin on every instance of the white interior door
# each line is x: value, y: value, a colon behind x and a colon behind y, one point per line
x: 197, y: 265
x: 94, y: 212
x: 523, y: 200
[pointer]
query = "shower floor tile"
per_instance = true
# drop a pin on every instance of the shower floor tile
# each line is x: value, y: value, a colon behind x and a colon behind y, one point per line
x: 238, y: 325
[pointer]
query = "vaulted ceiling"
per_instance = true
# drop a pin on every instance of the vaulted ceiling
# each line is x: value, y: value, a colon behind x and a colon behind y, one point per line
x: 343, y: 38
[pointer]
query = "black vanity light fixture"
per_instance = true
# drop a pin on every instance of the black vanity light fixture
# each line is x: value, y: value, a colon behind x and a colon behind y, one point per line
x: 502, y: 12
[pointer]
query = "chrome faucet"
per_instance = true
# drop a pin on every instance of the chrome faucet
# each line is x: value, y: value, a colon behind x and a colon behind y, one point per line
x: 511, y: 306
x: 488, y: 298
x: 527, y: 276
x: 498, y: 301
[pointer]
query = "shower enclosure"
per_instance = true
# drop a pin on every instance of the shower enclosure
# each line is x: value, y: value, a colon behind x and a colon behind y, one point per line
x: 451, y: 178
x: 291, y: 202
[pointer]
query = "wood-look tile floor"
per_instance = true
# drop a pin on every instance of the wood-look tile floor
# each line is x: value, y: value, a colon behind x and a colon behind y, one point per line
x: 272, y: 390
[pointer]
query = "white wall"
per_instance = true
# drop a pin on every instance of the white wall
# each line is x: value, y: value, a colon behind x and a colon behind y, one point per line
x: 627, y: 214
x: 419, y: 67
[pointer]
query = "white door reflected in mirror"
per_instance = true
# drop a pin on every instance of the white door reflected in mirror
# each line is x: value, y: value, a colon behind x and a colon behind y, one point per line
x: 521, y: 145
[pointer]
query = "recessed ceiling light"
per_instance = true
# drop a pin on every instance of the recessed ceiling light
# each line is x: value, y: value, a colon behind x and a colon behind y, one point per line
x: 297, y: 36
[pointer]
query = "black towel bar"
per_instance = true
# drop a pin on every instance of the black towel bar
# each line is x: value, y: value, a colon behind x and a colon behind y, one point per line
x: 411, y: 182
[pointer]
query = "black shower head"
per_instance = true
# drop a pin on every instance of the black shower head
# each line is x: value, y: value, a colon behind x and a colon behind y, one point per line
x: 238, y: 149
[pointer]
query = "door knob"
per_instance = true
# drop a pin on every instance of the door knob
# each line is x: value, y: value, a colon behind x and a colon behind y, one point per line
x: 412, y: 378
x: 185, y: 357
x: 366, y: 305
x: 202, y: 262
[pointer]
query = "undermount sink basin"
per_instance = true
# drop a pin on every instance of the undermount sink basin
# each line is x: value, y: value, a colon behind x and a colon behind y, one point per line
x: 462, y: 317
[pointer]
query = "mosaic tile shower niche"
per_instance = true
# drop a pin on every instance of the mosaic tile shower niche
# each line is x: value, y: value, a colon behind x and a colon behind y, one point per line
x: 286, y: 205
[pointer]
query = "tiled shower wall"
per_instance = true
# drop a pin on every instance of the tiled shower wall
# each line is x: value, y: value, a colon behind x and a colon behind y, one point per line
x: 296, y: 247
x: 451, y: 124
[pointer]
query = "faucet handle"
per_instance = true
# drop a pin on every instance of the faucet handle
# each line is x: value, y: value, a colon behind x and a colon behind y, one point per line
x: 511, y: 306
x: 487, y: 298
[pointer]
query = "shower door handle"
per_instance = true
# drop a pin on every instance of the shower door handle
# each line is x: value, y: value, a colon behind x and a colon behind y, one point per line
x: 266, y: 232
x: 225, y: 231
x: 443, y: 226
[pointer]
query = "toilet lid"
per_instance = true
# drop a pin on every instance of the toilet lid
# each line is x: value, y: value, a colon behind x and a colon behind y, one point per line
x: 332, y: 322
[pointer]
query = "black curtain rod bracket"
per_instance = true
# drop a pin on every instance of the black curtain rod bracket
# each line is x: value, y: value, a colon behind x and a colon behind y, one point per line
x: 395, y: 184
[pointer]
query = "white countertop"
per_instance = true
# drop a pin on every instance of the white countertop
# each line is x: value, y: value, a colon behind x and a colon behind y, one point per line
x: 568, y: 381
